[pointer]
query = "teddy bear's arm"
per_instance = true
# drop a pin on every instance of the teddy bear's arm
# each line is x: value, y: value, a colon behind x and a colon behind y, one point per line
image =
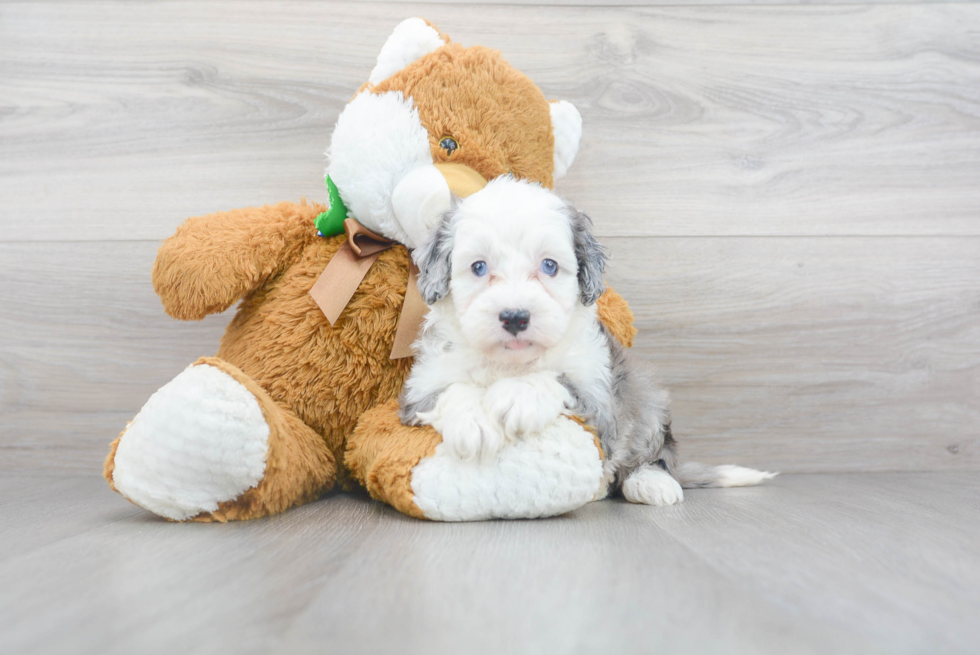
x: 212, y: 261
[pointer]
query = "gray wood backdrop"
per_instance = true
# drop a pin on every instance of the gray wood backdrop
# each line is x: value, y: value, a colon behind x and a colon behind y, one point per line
x: 791, y: 193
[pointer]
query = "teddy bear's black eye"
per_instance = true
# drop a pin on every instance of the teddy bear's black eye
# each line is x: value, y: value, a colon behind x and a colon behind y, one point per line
x: 448, y: 144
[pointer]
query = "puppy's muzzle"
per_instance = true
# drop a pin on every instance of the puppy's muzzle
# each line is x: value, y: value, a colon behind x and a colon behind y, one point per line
x: 515, y: 320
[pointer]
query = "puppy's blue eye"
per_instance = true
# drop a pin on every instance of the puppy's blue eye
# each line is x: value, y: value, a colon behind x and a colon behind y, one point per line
x: 479, y: 268
x: 549, y: 267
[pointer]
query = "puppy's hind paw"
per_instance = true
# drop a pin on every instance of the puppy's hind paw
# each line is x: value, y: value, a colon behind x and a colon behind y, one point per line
x: 652, y: 486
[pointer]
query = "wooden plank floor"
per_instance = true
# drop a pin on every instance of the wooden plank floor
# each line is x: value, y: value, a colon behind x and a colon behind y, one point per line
x: 819, y: 563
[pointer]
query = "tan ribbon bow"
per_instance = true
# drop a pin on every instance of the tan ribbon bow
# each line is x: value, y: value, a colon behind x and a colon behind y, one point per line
x: 340, y: 279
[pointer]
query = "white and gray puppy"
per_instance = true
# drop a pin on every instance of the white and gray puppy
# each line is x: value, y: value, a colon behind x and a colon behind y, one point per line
x: 513, y: 341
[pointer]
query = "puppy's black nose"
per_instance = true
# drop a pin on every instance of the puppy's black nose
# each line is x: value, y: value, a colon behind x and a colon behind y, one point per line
x: 515, y: 320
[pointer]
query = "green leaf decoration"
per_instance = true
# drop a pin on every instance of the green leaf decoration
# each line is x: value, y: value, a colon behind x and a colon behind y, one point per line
x: 331, y: 222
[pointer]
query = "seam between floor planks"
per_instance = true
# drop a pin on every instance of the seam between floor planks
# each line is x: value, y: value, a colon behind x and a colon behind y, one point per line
x: 703, y: 120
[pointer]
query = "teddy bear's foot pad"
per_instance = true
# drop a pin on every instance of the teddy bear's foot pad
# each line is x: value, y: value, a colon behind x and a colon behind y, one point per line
x: 547, y: 474
x: 200, y: 440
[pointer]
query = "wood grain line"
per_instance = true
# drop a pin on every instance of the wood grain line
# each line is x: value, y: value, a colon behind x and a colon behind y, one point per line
x: 790, y: 354
x: 120, y: 120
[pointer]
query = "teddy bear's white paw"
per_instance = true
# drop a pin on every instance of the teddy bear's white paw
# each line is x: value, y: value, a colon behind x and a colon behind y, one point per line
x: 544, y: 474
x: 651, y: 485
x: 466, y: 430
x: 200, y: 440
x: 527, y: 404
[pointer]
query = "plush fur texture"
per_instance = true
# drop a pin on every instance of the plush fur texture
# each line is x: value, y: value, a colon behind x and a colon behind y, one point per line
x: 377, y: 142
x: 566, y: 125
x: 382, y: 453
x: 515, y: 251
x: 412, y: 39
x: 547, y: 473
x: 297, y: 465
x: 313, y: 381
x: 389, y: 137
x: 279, y: 337
x: 408, y: 468
x: 205, y: 462
x: 498, y: 117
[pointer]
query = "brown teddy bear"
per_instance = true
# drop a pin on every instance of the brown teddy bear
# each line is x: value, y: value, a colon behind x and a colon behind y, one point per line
x: 301, y: 399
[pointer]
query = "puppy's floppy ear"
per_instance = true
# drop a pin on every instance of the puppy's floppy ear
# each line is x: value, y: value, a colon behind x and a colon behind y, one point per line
x: 591, y: 256
x: 435, y: 258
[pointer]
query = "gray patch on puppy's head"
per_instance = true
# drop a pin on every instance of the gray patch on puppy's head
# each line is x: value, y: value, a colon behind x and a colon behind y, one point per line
x: 591, y: 256
x: 435, y: 258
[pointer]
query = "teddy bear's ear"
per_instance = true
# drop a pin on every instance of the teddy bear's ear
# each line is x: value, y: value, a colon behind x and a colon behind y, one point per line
x: 412, y: 38
x: 566, y: 124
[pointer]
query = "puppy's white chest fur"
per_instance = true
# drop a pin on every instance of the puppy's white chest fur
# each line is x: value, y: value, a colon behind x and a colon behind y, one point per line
x: 481, y: 404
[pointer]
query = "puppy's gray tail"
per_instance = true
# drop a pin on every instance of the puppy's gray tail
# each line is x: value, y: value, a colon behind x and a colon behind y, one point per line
x: 692, y: 475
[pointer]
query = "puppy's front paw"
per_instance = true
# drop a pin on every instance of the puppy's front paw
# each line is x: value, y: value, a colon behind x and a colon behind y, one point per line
x: 465, y: 428
x: 525, y: 405
x: 472, y: 437
x: 652, y: 486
